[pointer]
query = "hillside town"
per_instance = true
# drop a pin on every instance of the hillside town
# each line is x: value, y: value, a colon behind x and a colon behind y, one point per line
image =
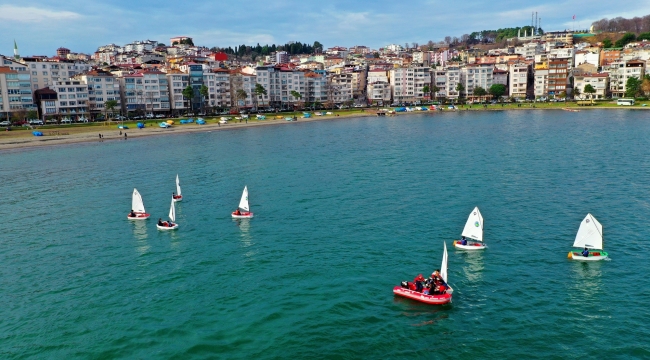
x: 150, y: 79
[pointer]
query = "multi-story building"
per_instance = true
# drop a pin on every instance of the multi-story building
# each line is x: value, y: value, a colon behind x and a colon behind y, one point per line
x: 541, y: 82
x: 279, y: 82
x: 246, y: 82
x: 379, y: 92
x: 145, y: 91
x: 453, y: 79
x: 281, y: 57
x: 620, y: 72
x: 15, y: 91
x: 72, y: 99
x: 340, y: 88
x: 563, y: 53
x: 102, y: 86
x: 559, y: 36
x: 176, y: 82
x: 45, y: 71
x: 476, y: 75
x: 519, y: 76
x: 315, y: 87
x: 600, y: 83
x: 439, y: 80
x: 220, y: 91
x: 558, y: 76
x: 409, y: 83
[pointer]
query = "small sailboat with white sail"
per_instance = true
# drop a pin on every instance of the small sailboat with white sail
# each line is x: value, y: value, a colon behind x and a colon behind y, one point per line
x: 590, y: 240
x: 169, y: 225
x: 137, y: 207
x: 433, y: 291
x: 177, y: 196
x: 472, y: 235
x: 243, y: 211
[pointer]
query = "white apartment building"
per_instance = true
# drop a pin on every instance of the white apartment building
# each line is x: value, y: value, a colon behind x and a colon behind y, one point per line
x: 422, y: 58
x: 102, y: 86
x: 563, y: 53
x: 587, y: 57
x: 377, y: 75
x: 145, y: 91
x: 476, y: 75
x: 600, y: 83
x: 453, y: 79
x: 340, y: 87
x: 279, y: 82
x: 315, y: 87
x: 220, y: 95
x: 541, y: 82
x: 45, y: 72
x: 529, y: 50
x: 72, y: 99
x: 379, y: 92
x: 246, y: 82
x: 281, y: 57
x: 408, y: 83
x: 15, y: 93
x: 176, y: 82
x: 439, y: 80
x: 519, y: 74
x: 620, y: 72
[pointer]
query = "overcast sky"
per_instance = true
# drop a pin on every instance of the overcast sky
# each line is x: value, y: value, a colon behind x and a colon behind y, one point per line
x: 40, y: 27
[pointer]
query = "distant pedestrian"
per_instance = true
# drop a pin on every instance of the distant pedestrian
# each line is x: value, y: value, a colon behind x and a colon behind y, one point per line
x: 100, y: 136
x: 120, y: 132
x: 125, y: 136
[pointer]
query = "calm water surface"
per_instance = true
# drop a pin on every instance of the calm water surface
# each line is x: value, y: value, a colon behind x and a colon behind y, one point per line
x: 344, y: 210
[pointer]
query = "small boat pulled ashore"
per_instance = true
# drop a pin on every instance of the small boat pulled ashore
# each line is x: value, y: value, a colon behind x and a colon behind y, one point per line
x: 137, y: 207
x: 243, y: 211
x: 169, y: 225
x: 441, y: 293
x: 589, y: 238
x: 472, y: 233
x: 177, y: 196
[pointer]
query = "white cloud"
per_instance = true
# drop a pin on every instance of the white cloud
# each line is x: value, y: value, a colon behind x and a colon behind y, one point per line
x: 33, y: 14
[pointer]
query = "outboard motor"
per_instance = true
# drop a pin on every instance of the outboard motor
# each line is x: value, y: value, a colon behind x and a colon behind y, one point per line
x: 405, y: 284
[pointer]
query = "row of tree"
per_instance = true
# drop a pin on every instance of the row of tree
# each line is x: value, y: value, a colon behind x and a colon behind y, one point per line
x: 626, y: 39
x: 294, y: 48
x: 635, y: 25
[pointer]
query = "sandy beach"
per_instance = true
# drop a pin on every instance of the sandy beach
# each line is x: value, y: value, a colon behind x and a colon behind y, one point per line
x: 62, y: 135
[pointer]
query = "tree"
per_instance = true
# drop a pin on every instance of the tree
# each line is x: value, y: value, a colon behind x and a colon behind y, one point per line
x: 110, y: 106
x: 205, y: 92
x: 460, y: 88
x: 18, y: 115
x: 426, y: 90
x: 240, y: 94
x: 607, y: 43
x: 590, y: 90
x: 435, y: 90
x: 260, y: 91
x: 497, y: 90
x: 32, y: 114
x: 626, y: 39
x: 188, y: 93
x: 296, y: 95
x: 645, y: 85
x: 576, y: 93
x: 632, y: 87
x: 480, y: 92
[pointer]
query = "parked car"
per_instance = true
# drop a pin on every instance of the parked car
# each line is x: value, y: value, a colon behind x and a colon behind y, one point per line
x: 5, y: 123
x: 358, y: 105
x: 160, y: 116
x: 35, y: 122
x: 149, y: 116
x: 120, y: 117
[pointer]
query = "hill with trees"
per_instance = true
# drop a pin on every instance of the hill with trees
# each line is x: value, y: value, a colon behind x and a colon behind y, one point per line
x: 293, y: 48
x: 635, y: 25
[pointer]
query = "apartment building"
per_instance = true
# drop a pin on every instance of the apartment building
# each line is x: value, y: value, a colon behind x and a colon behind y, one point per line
x: 379, y: 92
x: 558, y: 77
x: 359, y: 82
x: 220, y: 90
x: 518, y: 77
x: 476, y: 75
x: 408, y: 83
x: 315, y: 87
x: 279, y: 82
x: 439, y: 80
x: 281, y: 57
x: 541, y: 82
x: 559, y: 36
x: 245, y: 82
x: 71, y: 100
x: 600, y: 82
x: 340, y: 88
x: 587, y: 57
x: 15, y: 91
x: 45, y: 71
x: 620, y: 72
x: 145, y: 91
x: 453, y: 79
x: 563, y: 53
x: 102, y: 86
x: 176, y: 82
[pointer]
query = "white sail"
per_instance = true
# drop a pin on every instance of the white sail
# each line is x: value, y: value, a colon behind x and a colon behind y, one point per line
x: 243, y: 203
x: 172, y: 212
x: 178, y: 186
x: 590, y: 234
x: 474, y: 226
x: 136, y: 202
x: 443, y: 266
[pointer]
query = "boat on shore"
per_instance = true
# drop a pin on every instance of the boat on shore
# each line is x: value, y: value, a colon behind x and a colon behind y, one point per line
x: 589, y: 238
x: 571, y: 110
x: 137, y: 207
x: 472, y: 235
x: 441, y: 297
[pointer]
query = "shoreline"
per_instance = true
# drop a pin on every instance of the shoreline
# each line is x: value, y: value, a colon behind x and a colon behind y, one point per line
x: 23, y: 139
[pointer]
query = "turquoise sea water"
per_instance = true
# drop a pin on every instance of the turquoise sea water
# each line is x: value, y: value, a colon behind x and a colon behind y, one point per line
x: 344, y: 210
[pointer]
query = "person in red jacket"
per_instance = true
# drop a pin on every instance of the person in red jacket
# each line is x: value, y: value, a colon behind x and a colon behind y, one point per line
x: 419, y: 283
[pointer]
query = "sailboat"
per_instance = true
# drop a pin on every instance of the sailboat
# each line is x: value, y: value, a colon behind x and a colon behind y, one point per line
x: 473, y: 231
x: 440, y: 297
x: 589, y: 237
x: 243, y: 211
x: 169, y: 225
x: 177, y: 197
x: 137, y: 207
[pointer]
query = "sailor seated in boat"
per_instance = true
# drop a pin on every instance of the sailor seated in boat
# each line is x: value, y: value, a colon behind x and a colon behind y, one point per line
x: 463, y: 241
x: 160, y: 222
x: 585, y: 252
x: 237, y: 212
x: 419, y: 283
x: 132, y: 214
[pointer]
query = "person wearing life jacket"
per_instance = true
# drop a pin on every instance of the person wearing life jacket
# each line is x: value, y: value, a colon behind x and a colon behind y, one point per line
x: 160, y: 222
x: 419, y: 282
x: 585, y: 252
x: 237, y: 212
x: 463, y: 241
x: 132, y: 213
